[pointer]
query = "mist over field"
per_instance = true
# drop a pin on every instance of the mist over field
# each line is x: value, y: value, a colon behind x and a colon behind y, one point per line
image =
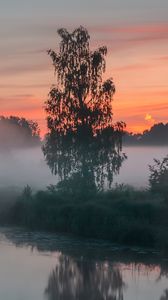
x: 19, y: 167
x: 18, y: 133
x: 22, y: 160
x: 135, y: 170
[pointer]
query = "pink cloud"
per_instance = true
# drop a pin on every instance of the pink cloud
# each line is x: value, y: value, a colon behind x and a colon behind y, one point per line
x: 163, y: 58
x: 133, y: 67
x: 130, y: 29
x: 23, y: 68
x: 146, y: 107
x: 121, y: 37
x: 24, y: 86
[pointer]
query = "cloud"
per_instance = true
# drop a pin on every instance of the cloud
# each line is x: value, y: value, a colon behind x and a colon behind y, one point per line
x: 163, y: 58
x: 23, y: 68
x: 19, y: 102
x: 146, y: 107
x: 149, y: 118
x: 23, y: 96
x: 23, y: 86
x: 133, y: 67
x: 154, y: 28
x: 121, y: 37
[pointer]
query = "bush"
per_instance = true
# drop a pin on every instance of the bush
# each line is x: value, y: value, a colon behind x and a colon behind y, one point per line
x: 158, y: 179
x: 123, y: 216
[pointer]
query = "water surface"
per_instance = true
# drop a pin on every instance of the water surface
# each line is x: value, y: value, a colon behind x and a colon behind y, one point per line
x: 41, y: 266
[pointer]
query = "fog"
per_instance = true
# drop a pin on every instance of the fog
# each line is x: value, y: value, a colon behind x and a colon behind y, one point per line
x: 135, y: 170
x: 27, y: 166
x: 18, y: 133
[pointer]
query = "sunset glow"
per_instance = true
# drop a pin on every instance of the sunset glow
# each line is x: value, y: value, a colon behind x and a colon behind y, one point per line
x: 137, y: 56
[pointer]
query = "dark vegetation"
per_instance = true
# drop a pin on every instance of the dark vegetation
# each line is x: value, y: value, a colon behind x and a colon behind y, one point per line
x: 122, y: 215
x: 157, y: 135
x: 159, y: 177
x: 18, y: 133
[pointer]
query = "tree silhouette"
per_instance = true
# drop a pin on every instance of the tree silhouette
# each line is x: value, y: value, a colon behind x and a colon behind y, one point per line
x: 82, y: 137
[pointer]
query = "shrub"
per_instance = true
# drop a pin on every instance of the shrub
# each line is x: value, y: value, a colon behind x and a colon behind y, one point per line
x: 158, y: 179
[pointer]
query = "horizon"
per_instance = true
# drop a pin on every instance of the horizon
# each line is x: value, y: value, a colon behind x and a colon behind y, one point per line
x: 137, y: 42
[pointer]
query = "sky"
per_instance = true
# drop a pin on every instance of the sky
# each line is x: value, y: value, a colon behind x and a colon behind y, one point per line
x: 135, y: 33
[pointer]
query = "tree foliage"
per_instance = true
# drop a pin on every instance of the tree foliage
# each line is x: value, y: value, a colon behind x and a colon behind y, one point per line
x: 80, y: 119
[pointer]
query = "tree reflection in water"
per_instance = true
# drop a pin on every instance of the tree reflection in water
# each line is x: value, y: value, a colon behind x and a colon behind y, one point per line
x: 72, y: 280
x: 165, y: 295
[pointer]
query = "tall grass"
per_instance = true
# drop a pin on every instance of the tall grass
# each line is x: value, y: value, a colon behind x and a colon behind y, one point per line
x: 122, y: 215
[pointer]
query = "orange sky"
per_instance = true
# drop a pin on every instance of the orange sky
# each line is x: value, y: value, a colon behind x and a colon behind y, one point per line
x: 137, y: 60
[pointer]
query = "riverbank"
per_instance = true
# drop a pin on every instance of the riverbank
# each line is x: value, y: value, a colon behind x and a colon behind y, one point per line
x: 123, y: 215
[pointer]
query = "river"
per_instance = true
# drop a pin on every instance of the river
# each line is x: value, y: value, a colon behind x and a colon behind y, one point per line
x: 41, y: 266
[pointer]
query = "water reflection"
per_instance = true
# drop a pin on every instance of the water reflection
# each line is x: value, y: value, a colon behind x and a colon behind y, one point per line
x: 165, y: 295
x: 72, y: 280
x: 74, y: 269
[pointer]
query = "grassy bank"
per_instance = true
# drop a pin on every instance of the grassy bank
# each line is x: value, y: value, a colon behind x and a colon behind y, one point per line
x: 122, y: 215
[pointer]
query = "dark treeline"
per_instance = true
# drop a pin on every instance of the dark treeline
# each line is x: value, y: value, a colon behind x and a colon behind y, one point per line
x: 18, y: 132
x: 157, y: 135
